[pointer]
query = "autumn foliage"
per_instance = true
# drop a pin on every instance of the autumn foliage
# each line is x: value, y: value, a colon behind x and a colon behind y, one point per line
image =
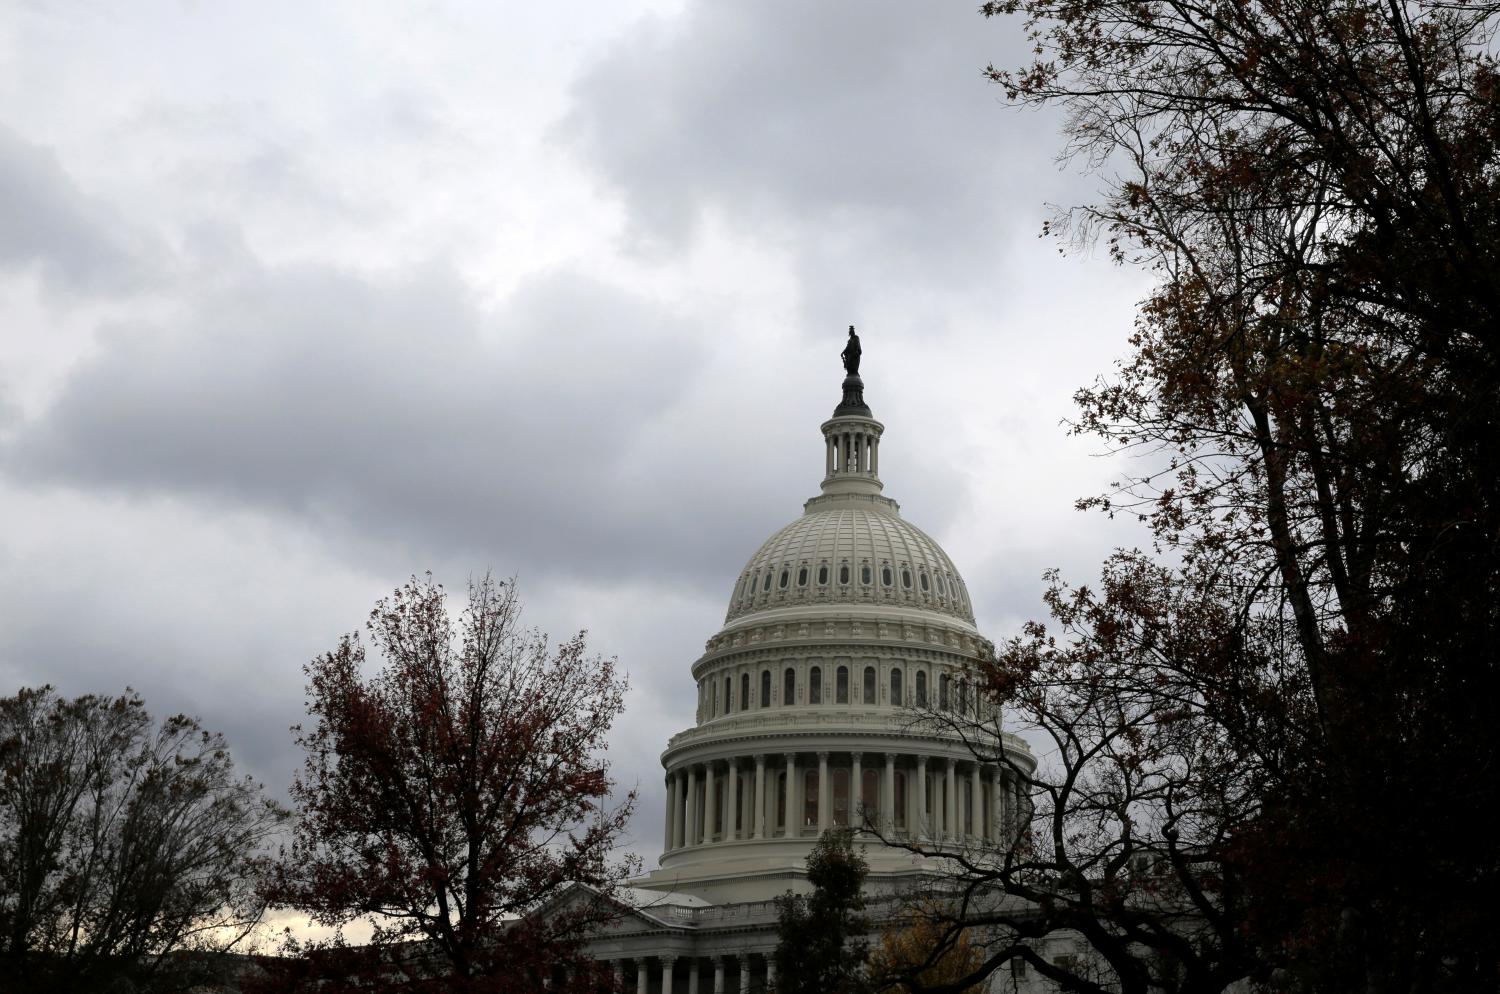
x: 457, y: 799
x: 926, y: 952
x: 1273, y: 731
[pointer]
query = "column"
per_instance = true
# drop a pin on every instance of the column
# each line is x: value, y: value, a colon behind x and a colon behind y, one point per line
x: 771, y: 972
x: 997, y: 805
x: 694, y: 969
x: 668, y: 964
x: 888, y: 796
x: 976, y: 804
x: 690, y: 816
x: 950, y: 802
x: 791, y: 794
x: 743, y: 987
x: 856, y: 790
x: 642, y: 977
x: 760, y: 796
x: 671, y: 812
x: 732, y: 809
x: 874, y: 455
x: 718, y: 975
x: 919, y: 824
x: 824, y: 794
x: 710, y: 803
x: 828, y: 458
x: 620, y: 974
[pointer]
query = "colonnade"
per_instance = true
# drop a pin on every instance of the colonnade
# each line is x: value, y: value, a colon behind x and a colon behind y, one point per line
x: 732, y: 974
x: 795, y: 794
x: 851, y: 452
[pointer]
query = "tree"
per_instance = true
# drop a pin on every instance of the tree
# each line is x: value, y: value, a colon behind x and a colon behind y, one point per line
x: 1258, y: 735
x: 454, y: 796
x: 821, y: 946
x: 129, y: 852
x: 924, y: 952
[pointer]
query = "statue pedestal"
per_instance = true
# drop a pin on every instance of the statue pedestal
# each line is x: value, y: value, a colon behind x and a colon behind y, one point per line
x: 854, y: 398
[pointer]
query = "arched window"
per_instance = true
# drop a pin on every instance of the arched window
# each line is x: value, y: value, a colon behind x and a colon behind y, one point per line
x: 744, y: 691
x: 767, y: 584
x: 765, y: 688
x: 869, y: 685
x: 885, y: 575
x: 788, y: 687
x: 963, y: 695
x: 921, y: 688
x: 866, y: 575
x: 844, y: 574
x: 802, y: 577
x: 841, y: 797
x: 943, y: 685
x: 815, y: 685
x: 841, y: 685
x: 895, y: 688
x: 786, y: 577
x: 810, y: 799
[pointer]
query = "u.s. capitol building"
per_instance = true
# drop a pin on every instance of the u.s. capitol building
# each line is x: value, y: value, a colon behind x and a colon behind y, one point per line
x: 842, y: 628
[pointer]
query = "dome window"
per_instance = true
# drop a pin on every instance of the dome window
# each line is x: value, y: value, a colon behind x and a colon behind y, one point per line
x: 869, y: 685
x: 823, y: 576
x: 944, y: 686
x: 815, y: 685
x: 923, y: 578
x: 921, y: 688
x: 866, y: 575
x: 885, y: 576
x: 905, y: 578
x: 844, y: 574
x: 744, y: 691
x: 942, y: 586
x: 802, y: 577
x: 788, y: 687
x: 896, y: 688
x: 841, y: 686
x: 786, y: 577
x: 767, y: 585
x: 765, y: 688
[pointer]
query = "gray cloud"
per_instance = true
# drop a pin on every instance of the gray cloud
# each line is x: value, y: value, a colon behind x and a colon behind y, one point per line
x: 864, y: 129
x: 546, y: 437
x: 77, y: 241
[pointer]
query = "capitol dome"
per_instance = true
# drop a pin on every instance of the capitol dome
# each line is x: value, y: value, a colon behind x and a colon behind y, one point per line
x: 850, y: 549
x: 840, y: 691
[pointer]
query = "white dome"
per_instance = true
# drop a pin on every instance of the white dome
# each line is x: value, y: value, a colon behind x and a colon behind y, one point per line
x: 850, y: 549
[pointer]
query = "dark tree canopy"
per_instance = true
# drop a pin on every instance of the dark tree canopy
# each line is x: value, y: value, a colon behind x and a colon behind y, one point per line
x: 130, y: 853
x: 821, y: 945
x: 451, y: 796
x: 1275, y: 728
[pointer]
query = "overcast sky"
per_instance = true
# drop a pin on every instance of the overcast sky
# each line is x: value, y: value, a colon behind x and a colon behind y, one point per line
x: 301, y: 299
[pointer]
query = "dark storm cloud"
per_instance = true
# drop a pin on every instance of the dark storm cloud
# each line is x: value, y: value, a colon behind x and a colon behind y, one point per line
x: 543, y: 438
x: 866, y: 127
x: 48, y: 222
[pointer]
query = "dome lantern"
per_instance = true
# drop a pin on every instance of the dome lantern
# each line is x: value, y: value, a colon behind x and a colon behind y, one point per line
x: 851, y: 438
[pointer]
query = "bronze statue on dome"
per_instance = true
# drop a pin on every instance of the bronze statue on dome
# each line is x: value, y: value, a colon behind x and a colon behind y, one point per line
x: 851, y: 352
